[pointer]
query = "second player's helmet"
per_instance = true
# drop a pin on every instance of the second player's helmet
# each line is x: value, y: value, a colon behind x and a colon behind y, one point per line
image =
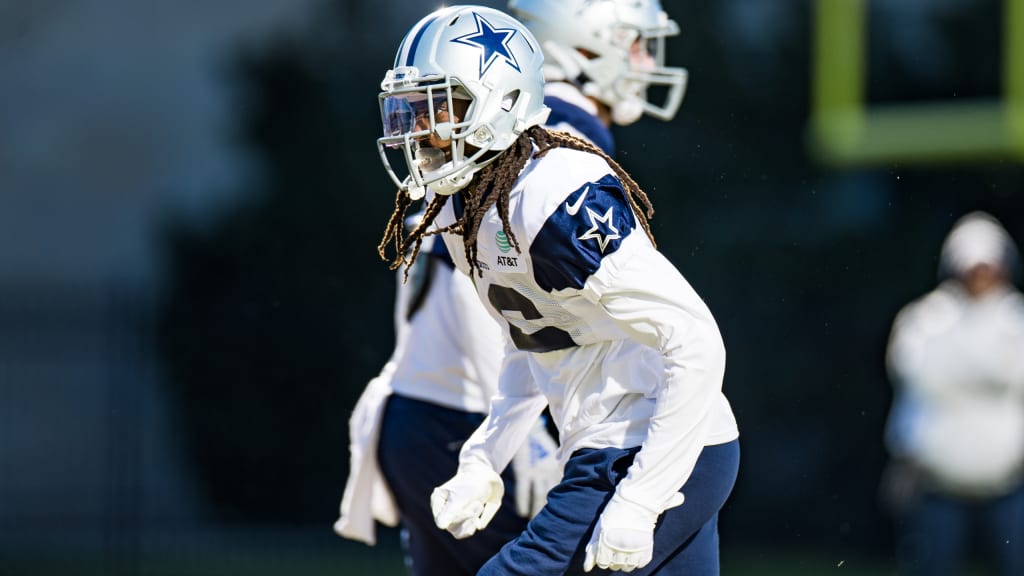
x: 466, y: 82
x: 613, y: 49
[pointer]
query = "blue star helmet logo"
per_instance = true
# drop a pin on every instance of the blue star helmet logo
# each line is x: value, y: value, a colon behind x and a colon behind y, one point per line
x: 492, y: 42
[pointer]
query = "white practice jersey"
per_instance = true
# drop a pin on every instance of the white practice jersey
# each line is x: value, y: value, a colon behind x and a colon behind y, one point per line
x: 602, y: 328
x: 447, y: 352
x: 450, y: 350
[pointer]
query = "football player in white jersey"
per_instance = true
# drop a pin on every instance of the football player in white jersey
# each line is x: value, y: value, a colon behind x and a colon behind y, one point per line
x: 599, y: 69
x: 440, y: 390
x: 601, y: 327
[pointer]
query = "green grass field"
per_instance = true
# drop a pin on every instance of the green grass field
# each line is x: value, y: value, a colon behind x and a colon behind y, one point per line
x: 318, y: 552
x: 378, y: 562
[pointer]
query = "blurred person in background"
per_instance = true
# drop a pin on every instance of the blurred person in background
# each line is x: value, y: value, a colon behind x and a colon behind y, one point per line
x: 430, y: 396
x: 602, y: 328
x: 956, y: 428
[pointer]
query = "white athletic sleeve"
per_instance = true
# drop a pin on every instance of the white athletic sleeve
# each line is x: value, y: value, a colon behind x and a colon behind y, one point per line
x: 647, y: 297
x: 513, y: 412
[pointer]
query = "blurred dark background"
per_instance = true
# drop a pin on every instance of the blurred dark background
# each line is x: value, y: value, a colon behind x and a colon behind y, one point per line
x: 191, y: 300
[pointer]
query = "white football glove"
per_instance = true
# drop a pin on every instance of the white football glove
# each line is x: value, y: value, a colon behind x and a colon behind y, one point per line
x: 537, y: 470
x: 623, y: 538
x: 468, y: 501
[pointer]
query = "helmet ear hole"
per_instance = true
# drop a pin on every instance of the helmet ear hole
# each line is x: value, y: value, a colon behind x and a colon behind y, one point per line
x: 509, y: 100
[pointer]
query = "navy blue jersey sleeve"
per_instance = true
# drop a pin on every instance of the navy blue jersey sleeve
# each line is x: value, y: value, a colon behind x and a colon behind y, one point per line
x: 587, y: 124
x: 590, y: 224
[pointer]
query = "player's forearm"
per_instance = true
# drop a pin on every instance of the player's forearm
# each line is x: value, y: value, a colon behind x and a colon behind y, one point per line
x: 506, y: 427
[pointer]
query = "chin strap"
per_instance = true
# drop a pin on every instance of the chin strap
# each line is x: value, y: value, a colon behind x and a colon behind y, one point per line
x: 628, y: 111
x: 445, y: 186
x: 452, y: 184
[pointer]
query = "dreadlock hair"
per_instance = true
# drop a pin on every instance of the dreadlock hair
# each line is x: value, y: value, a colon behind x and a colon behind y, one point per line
x: 491, y: 186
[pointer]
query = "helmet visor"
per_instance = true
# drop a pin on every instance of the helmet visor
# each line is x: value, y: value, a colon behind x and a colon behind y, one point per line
x: 413, y: 113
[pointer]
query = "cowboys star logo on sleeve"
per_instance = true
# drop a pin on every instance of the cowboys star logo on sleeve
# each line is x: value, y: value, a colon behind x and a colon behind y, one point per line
x: 588, y: 225
x: 492, y: 42
x: 602, y: 228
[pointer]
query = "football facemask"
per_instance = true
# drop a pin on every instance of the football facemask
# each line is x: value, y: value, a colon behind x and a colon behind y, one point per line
x: 424, y: 141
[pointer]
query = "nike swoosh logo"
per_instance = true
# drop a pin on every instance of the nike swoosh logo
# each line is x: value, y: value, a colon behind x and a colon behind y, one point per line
x: 573, y: 208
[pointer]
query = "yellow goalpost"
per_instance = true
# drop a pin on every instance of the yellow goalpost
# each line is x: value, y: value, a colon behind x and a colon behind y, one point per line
x: 846, y: 131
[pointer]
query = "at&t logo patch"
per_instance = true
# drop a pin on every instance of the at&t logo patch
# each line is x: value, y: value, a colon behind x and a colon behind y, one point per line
x: 508, y: 263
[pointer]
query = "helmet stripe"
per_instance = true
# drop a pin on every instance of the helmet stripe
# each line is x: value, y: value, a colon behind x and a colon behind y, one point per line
x: 410, y: 53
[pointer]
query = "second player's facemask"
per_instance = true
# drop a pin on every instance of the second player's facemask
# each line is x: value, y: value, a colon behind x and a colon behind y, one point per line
x: 645, y: 85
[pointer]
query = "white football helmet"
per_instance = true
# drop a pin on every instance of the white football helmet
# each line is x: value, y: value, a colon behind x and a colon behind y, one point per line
x: 613, y: 49
x: 477, y: 62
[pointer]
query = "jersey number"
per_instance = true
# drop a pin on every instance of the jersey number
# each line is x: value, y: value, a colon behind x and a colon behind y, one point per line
x: 544, y: 340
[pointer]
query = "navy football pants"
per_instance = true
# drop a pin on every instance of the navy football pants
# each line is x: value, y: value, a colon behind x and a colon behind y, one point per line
x: 939, y: 534
x: 685, y: 539
x: 419, y: 450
